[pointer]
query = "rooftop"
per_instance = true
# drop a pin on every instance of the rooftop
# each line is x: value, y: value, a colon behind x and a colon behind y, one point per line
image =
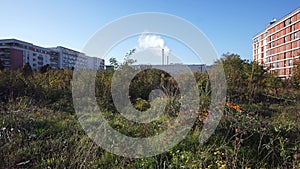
x: 277, y: 21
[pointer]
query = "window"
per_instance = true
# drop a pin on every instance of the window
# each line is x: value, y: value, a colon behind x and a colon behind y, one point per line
x: 285, y: 63
x: 293, y: 27
x: 291, y: 62
x: 266, y: 34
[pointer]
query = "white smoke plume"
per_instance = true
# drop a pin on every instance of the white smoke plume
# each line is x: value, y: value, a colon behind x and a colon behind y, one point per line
x: 155, y: 42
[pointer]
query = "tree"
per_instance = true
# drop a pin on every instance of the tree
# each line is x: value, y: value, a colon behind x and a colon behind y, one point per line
x: 296, y: 75
x: 234, y: 71
x: 113, y: 62
x: 45, y: 68
x: 27, y: 70
x: 127, y: 59
x: 246, y: 82
x: 1, y: 65
x: 255, y: 79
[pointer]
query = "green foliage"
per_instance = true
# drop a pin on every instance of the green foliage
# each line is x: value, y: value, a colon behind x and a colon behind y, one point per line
x: 259, y: 130
x: 39, y: 137
x: 27, y: 70
x: 113, y: 62
x: 141, y: 104
x: 296, y: 75
x: 1, y: 65
x: 249, y: 83
x: 34, y: 137
x: 127, y: 60
x: 45, y: 68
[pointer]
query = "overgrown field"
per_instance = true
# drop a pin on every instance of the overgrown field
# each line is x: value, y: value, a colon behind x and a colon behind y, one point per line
x: 259, y: 127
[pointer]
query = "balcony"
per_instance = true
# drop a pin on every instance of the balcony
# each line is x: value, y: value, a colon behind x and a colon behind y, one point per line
x: 4, y: 52
x: 40, y: 58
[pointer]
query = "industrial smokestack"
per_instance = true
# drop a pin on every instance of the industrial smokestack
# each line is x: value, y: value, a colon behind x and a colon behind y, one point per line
x: 167, y: 58
x: 162, y: 57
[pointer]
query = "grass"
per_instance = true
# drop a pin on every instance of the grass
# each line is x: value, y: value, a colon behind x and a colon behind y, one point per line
x: 37, y: 137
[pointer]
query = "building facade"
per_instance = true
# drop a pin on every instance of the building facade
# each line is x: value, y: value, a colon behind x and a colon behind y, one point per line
x: 278, y: 46
x: 71, y: 59
x: 175, y: 68
x: 15, y: 53
x: 94, y: 63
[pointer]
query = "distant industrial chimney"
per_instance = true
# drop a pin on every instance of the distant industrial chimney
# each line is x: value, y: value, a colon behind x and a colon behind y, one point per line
x: 167, y: 58
x: 162, y: 56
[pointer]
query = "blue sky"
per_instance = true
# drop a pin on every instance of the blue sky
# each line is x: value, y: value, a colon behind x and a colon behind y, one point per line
x: 229, y: 24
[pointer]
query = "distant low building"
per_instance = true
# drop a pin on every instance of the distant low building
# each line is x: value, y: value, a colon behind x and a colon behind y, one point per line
x: 197, y: 68
x: 175, y: 68
x: 109, y: 67
x: 15, y: 53
x: 94, y: 63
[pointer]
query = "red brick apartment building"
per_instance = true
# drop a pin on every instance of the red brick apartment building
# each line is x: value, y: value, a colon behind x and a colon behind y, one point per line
x: 278, y: 46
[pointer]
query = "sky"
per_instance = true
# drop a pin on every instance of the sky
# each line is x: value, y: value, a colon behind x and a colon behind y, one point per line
x: 228, y: 24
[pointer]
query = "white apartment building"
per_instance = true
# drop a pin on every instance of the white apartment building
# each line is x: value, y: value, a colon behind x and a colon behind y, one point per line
x: 15, y: 53
x: 94, y: 63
